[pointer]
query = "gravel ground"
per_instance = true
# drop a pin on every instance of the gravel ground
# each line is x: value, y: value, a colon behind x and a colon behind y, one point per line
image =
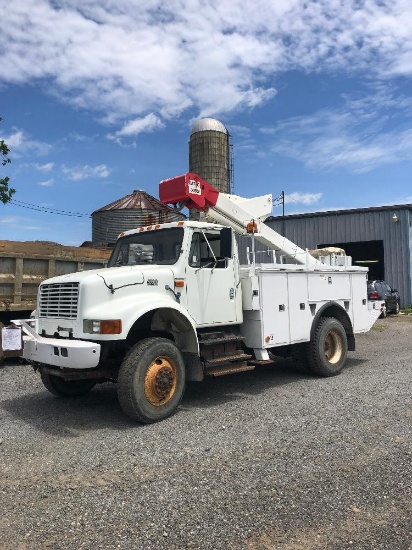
x: 268, y: 459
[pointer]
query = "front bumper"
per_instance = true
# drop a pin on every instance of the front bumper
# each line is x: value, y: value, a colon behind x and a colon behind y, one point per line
x: 63, y: 353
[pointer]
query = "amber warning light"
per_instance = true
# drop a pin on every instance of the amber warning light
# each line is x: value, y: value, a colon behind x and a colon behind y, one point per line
x: 252, y: 227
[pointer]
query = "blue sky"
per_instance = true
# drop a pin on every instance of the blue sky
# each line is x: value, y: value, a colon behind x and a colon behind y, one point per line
x: 98, y: 99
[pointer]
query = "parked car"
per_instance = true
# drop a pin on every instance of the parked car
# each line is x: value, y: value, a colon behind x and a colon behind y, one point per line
x: 380, y: 290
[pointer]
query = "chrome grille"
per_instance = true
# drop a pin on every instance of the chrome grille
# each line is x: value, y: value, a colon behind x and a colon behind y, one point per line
x: 59, y: 300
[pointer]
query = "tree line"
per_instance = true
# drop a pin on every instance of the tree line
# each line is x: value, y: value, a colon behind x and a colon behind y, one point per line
x: 6, y: 192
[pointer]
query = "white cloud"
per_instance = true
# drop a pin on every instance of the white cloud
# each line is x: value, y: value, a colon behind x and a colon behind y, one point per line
x: 75, y: 136
x: 47, y: 183
x: 128, y: 59
x: 16, y: 139
x: 48, y: 167
x: 358, y: 136
x: 149, y: 123
x: 11, y: 220
x: 20, y: 144
x: 302, y: 198
x: 79, y: 173
x: 240, y: 131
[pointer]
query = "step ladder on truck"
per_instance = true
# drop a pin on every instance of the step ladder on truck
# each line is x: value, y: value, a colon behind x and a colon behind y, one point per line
x: 174, y: 304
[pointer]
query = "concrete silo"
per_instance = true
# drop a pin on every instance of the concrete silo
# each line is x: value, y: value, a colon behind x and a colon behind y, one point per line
x: 210, y: 153
x: 135, y: 210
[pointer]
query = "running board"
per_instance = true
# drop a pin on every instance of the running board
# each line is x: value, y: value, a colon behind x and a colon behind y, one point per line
x: 227, y: 359
x: 229, y: 369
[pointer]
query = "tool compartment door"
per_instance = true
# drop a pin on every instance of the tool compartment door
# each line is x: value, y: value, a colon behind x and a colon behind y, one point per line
x: 300, y: 317
x: 275, y: 308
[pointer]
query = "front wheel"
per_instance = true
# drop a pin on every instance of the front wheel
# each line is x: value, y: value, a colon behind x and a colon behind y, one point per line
x: 328, y: 350
x: 151, y: 380
x: 66, y: 388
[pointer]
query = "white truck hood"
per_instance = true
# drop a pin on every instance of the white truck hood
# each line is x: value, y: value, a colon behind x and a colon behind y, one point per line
x: 117, y: 292
x: 111, y: 275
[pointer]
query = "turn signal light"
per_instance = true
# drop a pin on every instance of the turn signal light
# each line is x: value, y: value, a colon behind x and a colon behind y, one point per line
x: 106, y: 326
x: 112, y: 326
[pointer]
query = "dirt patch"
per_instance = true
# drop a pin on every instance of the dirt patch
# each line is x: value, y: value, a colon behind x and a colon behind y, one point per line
x: 51, y: 249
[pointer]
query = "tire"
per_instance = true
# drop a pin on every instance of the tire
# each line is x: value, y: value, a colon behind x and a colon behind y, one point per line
x: 328, y: 350
x: 397, y: 309
x: 66, y: 388
x: 151, y: 380
x: 300, y: 359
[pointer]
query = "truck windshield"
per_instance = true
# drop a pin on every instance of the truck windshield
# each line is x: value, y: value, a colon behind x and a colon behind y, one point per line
x: 161, y: 247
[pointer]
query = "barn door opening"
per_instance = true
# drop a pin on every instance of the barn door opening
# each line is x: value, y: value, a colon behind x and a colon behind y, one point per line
x: 365, y: 253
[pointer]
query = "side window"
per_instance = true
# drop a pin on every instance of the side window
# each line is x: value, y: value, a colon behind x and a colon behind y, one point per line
x: 205, y: 250
x: 123, y: 256
x: 194, y: 255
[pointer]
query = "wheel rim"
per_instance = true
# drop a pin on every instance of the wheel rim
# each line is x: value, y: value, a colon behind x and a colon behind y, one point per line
x: 333, y: 347
x: 160, y: 381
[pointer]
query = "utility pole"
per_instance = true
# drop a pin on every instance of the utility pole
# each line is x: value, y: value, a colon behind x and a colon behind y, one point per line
x: 276, y: 202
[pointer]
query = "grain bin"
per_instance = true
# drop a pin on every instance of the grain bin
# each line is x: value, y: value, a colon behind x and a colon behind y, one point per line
x: 135, y: 210
x: 209, y: 153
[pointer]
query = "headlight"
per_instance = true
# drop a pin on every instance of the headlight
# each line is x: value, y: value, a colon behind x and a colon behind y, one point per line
x: 106, y: 326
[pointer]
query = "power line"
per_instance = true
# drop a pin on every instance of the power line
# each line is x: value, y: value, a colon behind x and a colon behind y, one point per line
x: 48, y: 210
x: 280, y: 200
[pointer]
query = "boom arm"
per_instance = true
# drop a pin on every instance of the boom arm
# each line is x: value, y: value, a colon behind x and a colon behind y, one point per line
x: 233, y: 211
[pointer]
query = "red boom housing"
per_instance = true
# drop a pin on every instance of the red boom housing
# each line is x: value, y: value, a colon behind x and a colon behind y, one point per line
x: 190, y: 189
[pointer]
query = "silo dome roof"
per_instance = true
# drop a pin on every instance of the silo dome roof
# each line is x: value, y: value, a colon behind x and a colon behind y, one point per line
x: 138, y: 200
x: 209, y: 124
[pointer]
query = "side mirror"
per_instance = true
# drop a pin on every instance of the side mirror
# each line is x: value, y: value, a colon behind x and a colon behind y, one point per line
x: 226, y: 241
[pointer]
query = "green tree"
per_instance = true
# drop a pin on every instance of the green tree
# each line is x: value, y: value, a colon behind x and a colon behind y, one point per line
x: 6, y: 192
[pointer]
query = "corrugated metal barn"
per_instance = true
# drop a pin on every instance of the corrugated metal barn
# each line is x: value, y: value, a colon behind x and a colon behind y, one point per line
x: 379, y: 238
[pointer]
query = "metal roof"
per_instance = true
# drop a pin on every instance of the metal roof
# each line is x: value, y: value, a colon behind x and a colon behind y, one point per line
x: 344, y: 212
x: 209, y: 124
x: 138, y: 200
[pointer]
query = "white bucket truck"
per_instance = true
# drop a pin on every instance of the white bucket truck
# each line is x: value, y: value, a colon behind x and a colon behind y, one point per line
x: 174, y: 304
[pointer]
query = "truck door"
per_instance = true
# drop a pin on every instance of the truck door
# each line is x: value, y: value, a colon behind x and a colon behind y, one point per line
x: 212, y: 290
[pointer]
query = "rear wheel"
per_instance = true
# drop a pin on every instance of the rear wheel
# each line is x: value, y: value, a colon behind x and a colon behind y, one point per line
x: 328, y: 350
x: 151, y: 380
x: 300, y: 358
x: 66, y: 388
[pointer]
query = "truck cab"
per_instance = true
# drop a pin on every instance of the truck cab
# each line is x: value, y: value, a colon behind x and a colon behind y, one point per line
x: 200, y: 255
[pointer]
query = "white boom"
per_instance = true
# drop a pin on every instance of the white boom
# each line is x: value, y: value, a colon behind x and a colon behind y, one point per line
x: 245, y: 216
